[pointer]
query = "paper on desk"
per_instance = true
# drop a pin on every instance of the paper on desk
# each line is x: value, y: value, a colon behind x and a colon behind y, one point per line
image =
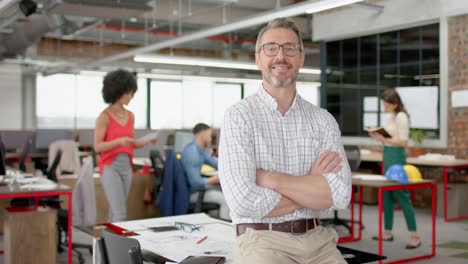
x: 33, y: 186
x: 177, y: 245
x: 370, y: 177
x: 437, y: 156
x: 40, y: 184
x: 148, y: 137
x: 165, y: 221
x: 26, y: 180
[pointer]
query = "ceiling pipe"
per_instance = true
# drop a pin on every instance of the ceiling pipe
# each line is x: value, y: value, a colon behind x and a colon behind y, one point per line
x: 168, y: 33
x: 4, y: 4
x: 174, y: 34
x: 311, y: 6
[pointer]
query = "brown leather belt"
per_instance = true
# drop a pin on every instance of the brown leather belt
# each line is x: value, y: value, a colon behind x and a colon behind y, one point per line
x: 295, y: 227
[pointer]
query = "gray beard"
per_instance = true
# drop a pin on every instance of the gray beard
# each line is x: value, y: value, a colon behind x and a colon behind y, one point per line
x: 279, y: 84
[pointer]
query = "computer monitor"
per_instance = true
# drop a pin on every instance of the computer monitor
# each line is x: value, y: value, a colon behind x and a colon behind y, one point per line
x: 44, y: 137
x: 182, y: 138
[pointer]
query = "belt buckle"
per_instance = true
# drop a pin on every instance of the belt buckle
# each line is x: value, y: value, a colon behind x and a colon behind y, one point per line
x: 299, y: 233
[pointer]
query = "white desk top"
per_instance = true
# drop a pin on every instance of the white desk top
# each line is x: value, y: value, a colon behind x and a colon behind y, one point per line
x: 177, y: 245
x: 377, y: 157
x: 142, y: 161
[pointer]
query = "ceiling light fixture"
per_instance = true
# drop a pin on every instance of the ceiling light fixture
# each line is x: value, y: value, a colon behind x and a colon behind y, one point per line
x: 203, y: 62
x: 329, y: 5
x: 93, y: 73
x: 247, y: 22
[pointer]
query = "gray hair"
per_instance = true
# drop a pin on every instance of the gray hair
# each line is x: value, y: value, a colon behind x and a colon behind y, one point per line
x: 280, y: 22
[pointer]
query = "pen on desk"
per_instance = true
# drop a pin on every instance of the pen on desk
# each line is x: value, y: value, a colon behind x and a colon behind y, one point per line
x: 202, y: 239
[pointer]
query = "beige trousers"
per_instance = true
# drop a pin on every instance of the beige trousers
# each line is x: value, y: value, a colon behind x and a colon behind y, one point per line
x: 316, y: 246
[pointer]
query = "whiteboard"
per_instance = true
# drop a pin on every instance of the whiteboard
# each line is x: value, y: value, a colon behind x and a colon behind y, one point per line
x: 460, y: 98
x: 422, y: 103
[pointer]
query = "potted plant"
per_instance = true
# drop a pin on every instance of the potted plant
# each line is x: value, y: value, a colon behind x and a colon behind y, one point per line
x: 418, y: 136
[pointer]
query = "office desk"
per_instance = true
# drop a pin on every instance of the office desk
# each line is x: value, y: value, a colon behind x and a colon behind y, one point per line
x: 384, y: 186
x: 446, y: 165
x: 14, y: 191
x: 170, y: 247
x: 136, y: 207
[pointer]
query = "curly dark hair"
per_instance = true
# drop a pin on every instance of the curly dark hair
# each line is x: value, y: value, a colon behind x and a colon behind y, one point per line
x: 117, y: 83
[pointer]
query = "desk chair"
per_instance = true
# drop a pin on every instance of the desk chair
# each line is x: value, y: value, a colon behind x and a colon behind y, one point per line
x: 70, y: 161
x: 53, y: 202
x: 200, y: 206
x: 174, y: 198
x: 353, y: 256
x: 24, y: 154
x: 119, y: 249
x: 2, y: 158
x: 353, y: 155
x: 62, y: 214
x: 157, y: 163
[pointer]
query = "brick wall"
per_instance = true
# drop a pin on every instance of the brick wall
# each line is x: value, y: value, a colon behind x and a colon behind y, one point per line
x: 48, y: 47
x: 458, y: 80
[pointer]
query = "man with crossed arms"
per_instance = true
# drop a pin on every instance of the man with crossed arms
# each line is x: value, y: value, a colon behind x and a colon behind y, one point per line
x: 281, y: 162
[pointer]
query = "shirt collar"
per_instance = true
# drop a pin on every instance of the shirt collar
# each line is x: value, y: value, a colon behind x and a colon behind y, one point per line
x: 270, y: 101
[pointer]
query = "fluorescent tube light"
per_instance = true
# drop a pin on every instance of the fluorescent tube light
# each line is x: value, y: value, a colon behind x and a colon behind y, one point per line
x: 192, y: 61
x: 329, y: 5
x: 93, y: 73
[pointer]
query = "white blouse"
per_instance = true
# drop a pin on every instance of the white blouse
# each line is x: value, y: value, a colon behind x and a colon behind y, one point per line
x: 398, y: 125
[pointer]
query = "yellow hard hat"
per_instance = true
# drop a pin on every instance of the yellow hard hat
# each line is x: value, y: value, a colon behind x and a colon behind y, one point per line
x: 414, y: 175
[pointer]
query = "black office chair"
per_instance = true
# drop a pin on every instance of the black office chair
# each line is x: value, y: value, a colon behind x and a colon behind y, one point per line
x: 24, y: 154
x: 53, y: 201
x: 16, y: 202
x: 62, y: 214
x: 197, y: 207
x: 117, y: 249
x: 353, y: 155
x: 2, y: 158
x: 157, y: 163
x: 200, y: 206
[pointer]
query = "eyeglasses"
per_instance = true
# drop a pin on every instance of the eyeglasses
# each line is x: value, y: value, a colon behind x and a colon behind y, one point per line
x: 186, y: 227
x: 289, y: 49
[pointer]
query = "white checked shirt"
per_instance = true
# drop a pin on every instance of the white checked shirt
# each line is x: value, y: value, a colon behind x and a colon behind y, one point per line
x: 256, y: 135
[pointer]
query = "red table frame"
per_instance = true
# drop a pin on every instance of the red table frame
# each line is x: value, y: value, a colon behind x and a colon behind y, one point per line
x: 37, y: 195
x: 445, y: 176
x: 445, y: 179
x: 381, y: 190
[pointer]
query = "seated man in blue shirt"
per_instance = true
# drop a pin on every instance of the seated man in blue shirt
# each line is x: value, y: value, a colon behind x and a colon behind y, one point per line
x: 193, y: 158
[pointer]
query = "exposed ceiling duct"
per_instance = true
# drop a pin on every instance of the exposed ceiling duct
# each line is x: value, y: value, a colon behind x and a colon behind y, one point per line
x: 261, y: 18
x: 23, y: 23
x: 25, y: 33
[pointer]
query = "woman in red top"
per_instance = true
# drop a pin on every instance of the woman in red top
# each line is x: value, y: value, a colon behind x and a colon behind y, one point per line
x: 114, y: 140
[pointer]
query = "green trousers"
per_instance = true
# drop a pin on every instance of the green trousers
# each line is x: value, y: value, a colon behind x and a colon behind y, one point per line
x: 392, y: 156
